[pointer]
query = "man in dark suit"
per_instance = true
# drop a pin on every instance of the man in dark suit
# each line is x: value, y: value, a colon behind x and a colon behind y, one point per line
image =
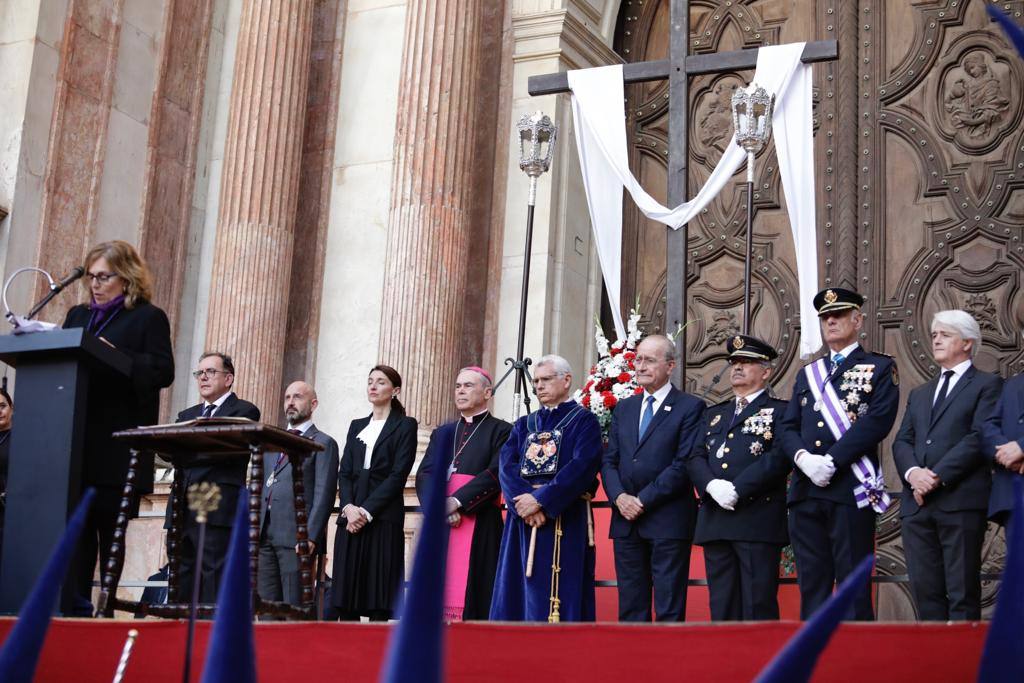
x: 1003, y: 436
x: 644, y: 475
x: 938, y: 452
x: 278, y: 578
x: 843, y: 406
x: 740, y: 472
x: 214, y: 375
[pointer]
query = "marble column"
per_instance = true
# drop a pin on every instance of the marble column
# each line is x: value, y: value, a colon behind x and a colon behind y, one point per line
x: 259, y: 187
x: 429, y: 222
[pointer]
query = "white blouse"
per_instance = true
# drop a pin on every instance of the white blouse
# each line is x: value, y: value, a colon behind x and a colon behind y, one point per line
x: 369, y: 437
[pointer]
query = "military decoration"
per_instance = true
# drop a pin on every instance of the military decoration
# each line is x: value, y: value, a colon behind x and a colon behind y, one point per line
x: 856, y: 383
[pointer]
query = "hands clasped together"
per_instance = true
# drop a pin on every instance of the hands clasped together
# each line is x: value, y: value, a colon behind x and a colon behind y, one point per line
x: 818, y: 468
x: 529, y: 510
x: 356, y: 518
x: 1010, y: 456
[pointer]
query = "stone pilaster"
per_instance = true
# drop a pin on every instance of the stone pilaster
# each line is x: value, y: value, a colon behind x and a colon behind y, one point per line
x: 429, y: 221
x: 249, y: 289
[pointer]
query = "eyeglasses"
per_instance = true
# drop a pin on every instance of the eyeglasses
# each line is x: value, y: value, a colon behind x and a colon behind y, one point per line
x: 209, y: 373
x: 102, y: 278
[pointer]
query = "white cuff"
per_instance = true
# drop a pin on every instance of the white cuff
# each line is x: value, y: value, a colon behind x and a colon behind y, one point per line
x: 906, y: 475
x: 369, y: 517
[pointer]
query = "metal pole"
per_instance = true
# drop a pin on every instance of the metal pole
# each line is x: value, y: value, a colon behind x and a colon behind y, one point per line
x: 522, y: 390
x: 194, y: 604
x: 750, y: 243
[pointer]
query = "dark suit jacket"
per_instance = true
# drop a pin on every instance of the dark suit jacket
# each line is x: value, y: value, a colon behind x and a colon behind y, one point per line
x: 380, y: 490
x: 227, y: 471
x: 803, y: 427
x: 653, y: 468
x: 950, y: 444
x: 320, y: 483
x: 1004, y: 424
x: 754, y: 464
x: 117, y: 402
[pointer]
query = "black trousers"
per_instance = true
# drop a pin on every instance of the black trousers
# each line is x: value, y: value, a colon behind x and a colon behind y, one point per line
x: 943, y: 551
x: 95, y: 541
x: 215, y: 553
x: 646, y: 565
x: 743, y: 580
x: 829, y: 540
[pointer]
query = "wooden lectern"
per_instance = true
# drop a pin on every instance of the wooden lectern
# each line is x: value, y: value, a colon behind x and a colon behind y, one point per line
x: 212, y: 437
x: 44, y: 474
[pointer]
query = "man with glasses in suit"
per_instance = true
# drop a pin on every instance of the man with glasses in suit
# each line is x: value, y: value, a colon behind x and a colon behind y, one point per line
x: 215, y: 376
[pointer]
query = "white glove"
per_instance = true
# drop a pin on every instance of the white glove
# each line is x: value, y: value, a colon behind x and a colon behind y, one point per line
x: 818, y: 468
x: 724, y: 493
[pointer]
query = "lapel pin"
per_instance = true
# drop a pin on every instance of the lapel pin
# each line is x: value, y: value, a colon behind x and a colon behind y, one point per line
x: 668, y: 409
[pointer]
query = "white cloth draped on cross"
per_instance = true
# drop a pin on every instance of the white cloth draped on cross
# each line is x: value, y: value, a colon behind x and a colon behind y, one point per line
x: 599, y: 117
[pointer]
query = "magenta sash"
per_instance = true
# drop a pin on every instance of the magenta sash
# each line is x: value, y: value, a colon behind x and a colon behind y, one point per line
x: 460, y: 540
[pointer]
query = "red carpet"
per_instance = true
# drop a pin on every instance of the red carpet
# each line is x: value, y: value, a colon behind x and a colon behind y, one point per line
x: 84, y: 650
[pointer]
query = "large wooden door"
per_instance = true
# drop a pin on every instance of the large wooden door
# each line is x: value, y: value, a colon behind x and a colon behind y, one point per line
x: 919, y: 163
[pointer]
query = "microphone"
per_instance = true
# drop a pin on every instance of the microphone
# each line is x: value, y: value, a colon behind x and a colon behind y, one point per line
x: 76, y: 273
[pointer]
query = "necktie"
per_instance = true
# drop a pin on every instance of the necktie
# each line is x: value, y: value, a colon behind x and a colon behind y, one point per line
x: 943, y: 390
x: 837, y: 360
x: 741, y: 405
x: 645, y: 419
x: 208, y: 410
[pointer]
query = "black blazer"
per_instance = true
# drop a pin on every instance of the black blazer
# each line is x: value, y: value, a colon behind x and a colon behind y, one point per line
x: 804, y: 427
x: 320, y: 483
x: 379, y: 490
x: 116, y: 402
x: 754, y: 464
x: 950, y: 444
x: 228, y: 472
x: 1005, y: 423
x: 653, y: 468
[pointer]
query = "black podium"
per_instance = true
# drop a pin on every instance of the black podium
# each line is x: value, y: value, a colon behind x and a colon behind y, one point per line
x: 44, y: 475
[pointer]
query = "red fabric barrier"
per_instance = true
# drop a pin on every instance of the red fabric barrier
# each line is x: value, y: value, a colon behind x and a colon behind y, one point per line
x: 87, y: 650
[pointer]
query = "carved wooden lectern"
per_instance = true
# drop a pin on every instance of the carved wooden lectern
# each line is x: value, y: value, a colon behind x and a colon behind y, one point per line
x: 212, y: 438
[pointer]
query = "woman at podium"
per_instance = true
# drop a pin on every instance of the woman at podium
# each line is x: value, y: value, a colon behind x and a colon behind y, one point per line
x: 119, y: 312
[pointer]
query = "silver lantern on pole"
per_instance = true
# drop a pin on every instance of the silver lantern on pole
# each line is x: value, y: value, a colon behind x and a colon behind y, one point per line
x: 537, y: 137
x: 752, y: 119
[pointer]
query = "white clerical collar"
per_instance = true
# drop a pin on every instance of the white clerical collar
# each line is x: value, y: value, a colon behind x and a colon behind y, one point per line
x: 302, y: 428
x: 219, y: 402
x: 846, y: 352
x: 660, y: 394
x: 469, y: 420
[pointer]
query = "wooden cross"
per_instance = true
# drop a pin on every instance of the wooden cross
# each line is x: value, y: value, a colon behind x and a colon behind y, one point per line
x: 678, y: 68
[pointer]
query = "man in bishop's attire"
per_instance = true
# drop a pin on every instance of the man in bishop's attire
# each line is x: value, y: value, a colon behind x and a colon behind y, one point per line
x: 548, y: 469
x: 466, y: 453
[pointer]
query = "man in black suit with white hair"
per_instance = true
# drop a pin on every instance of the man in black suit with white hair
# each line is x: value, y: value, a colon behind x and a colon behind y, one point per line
x: 940, y: 456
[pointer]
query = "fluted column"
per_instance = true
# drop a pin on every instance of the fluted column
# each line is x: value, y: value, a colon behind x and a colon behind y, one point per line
x: 429, y: 223
x: 259, y: 186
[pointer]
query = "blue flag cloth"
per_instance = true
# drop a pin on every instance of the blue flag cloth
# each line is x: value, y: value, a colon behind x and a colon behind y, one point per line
x: 1003, y: 657
x: 416, y: 648
x: 1015, y: 33
x: 796, y: 661
x: 20, y: 655
x: 231, y: 652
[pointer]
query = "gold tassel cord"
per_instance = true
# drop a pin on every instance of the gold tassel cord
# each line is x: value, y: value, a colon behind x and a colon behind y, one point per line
x: 556, y: 569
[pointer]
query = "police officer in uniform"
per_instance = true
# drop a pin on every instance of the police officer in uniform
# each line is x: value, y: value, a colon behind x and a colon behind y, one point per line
x: 740, y: 471
x: 843, y: 405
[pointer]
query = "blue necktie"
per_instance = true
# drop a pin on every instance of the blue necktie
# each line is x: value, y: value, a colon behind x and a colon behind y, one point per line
x: 208, y: 410
x: 645, y: 419
x: 837, y: 360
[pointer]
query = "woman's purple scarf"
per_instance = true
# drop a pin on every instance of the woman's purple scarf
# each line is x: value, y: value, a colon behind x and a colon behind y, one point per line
x: 104, y: 313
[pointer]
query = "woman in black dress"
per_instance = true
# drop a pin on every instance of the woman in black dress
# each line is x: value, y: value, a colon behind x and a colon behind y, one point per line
x: 120, y: 314
x: 369, y: 548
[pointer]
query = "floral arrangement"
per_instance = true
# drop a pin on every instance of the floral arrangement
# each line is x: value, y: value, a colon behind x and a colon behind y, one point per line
x: 613, y: 377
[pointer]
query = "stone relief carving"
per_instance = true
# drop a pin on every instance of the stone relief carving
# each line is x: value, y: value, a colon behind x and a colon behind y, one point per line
x: 984, y: 311
x: 976, y: 102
